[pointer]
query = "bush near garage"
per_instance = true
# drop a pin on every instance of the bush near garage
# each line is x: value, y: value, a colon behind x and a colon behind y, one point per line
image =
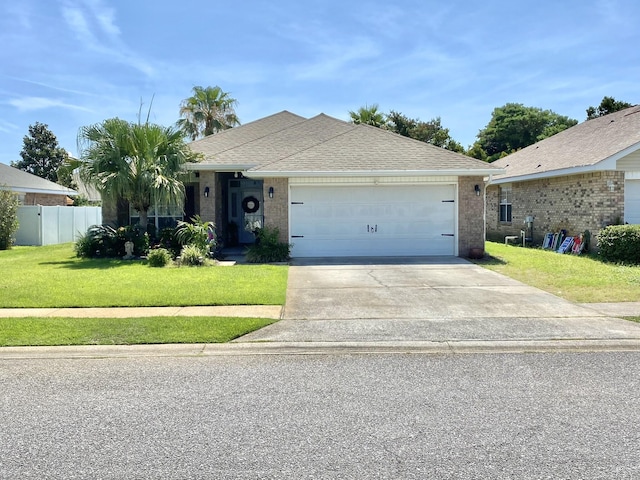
x: 620, y: 243
x: 268, y: 248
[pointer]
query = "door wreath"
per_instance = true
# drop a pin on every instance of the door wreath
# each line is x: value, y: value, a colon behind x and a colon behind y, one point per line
x: 250, y: 204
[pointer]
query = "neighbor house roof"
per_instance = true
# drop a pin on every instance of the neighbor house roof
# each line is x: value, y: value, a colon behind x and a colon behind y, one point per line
x: 22, y: 182
x: 592, y: 145
x: 324, y: 145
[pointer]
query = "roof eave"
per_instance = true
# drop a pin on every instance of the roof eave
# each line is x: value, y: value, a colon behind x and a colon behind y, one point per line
x: 66, y: 191
x: 218, y: 168
x: 373, y: 173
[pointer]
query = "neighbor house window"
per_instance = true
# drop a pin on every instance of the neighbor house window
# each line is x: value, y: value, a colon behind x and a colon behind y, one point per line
x: 505, y: 204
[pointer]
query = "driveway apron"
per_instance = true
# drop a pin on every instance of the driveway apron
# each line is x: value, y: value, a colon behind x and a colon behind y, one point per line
x: 426, y: 299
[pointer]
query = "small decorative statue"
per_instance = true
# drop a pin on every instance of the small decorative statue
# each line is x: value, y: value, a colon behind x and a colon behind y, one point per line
x: 128, y: 248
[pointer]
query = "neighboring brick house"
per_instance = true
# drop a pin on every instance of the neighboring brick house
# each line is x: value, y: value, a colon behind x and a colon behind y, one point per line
x: 333, y: 188
x: 584, y: 178
x: 33, y: 190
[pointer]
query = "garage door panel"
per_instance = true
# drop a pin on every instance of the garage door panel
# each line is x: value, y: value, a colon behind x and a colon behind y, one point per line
x: 632, y: 201
x: 373, y: 220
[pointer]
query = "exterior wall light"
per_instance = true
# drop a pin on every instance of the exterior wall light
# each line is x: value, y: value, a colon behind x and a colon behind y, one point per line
x: 206, y: 191
x: 477, y: 189
x: 270, y: 192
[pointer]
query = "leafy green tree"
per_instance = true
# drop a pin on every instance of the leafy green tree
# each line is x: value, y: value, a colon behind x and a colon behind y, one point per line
x: 368, y: 115
x: 607, y: 105
x: 207, y: 111
x: 8, y: 217
x: 430, y: 132
x: 514, y: 126
x: 138, y: 162
x: 41, y: 154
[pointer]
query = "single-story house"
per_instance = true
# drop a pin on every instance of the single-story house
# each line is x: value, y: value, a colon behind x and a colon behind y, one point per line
x: 583, y: 178
x: 334, y: 188
x: 33, y: 190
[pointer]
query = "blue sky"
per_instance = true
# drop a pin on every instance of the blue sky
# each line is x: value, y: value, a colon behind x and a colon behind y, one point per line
x: 70, y: 63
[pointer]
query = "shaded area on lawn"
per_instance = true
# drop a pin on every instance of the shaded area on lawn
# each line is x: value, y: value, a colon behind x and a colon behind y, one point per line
x: 54, y: 331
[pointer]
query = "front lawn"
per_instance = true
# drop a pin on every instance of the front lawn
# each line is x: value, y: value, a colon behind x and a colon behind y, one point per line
x: 52, y: 276
x: 581, y: 279
x: 124, y: 331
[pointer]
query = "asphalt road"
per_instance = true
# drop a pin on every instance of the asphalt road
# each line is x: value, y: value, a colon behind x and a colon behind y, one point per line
x: 524, y: 416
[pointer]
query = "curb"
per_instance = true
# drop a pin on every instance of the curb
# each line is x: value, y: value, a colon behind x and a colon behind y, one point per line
x: 320, y: 348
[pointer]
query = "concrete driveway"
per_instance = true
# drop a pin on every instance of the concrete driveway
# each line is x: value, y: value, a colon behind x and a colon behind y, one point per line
x: 427, y: 299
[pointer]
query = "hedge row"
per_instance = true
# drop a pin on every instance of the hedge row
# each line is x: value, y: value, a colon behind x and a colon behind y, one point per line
x: 620, y: 243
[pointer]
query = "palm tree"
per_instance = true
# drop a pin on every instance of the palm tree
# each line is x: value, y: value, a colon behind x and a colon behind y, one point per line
x: 369, y: 116
x: 138, y: 162
x: 208, y: 111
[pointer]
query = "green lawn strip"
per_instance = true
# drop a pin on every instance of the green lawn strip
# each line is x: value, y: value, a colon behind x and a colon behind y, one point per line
x: 581, y: 279
x: 53, y: 331
x: 633, y: 319
x: 52, y: 276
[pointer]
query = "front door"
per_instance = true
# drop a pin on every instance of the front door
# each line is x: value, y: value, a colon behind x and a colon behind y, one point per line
x: 245, y: 207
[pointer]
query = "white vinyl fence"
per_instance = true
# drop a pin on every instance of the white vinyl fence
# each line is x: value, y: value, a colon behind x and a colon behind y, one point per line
x: 51, y: 225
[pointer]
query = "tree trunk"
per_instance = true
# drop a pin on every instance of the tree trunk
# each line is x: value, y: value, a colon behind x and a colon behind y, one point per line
x: 143, y: 219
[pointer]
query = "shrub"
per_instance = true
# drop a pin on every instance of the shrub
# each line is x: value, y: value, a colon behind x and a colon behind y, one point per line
x: 159, y: 257
x: 620, y: 243
x: 99, y: 241
x: 8, y: 218
x: 198, y: 233
x: 135, y: 234
x: 268, y: 248
x: 192, y: 256
x: 169, y: 241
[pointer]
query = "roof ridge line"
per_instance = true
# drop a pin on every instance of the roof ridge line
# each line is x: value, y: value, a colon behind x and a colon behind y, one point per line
x: 310, y: 146
x: 303, y: 119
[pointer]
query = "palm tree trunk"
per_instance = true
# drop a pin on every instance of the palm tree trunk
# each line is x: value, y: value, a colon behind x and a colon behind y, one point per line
x: 143, y: 219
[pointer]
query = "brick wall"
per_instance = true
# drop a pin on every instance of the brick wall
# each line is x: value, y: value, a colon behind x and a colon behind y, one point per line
x: 209, y: 205
x: 276, y: 209
x: 575, y: 203
x: 470, y: 215
x: 45, y: 199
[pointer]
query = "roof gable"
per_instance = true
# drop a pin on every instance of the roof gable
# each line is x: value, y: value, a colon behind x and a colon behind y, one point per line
x: 20, y: 181
x: 371, y: 149
x: 326, y: 144
x: 214, y: 145
x: 585, y: 145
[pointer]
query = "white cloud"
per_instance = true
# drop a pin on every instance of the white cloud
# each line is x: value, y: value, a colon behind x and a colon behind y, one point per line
x: 26, y: 104
x: 94, y: 24
x: 7, y: 127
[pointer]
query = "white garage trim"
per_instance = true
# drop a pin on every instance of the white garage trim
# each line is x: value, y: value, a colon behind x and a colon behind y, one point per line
x: 373, y: 219
x: 632, y: 200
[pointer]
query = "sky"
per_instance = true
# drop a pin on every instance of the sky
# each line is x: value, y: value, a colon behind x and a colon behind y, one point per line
x: 73, y: 63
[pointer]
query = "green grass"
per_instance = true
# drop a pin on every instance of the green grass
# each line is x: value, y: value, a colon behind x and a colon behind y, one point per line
x: 124, y: 331
x: 582, y: 279
x: 52, y: 276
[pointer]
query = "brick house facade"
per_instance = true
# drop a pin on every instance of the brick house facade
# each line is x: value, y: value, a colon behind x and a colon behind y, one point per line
x: 584, y: 178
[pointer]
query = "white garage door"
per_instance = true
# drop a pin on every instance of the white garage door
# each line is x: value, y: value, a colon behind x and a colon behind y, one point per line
x: 372, y: 220
x: 632, y: 201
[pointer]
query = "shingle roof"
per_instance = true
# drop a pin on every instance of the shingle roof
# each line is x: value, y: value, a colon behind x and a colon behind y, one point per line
x: 214, y: 146
x: 583, y: 145
x: 20, y: 181
x: 326, y: 144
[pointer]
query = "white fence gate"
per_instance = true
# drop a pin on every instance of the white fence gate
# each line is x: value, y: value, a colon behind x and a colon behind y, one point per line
x: 51, y: 225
